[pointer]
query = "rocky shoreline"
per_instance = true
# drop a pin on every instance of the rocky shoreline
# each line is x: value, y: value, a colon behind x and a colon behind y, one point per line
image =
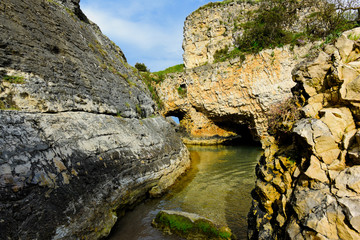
x: 80, y: 136
x: 307, y: 182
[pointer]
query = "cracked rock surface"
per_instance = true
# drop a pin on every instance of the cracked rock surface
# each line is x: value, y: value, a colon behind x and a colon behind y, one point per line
x: 308, y: 185
x: 80, y: 139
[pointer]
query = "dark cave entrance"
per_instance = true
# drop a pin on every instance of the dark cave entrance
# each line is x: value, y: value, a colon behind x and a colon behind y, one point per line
x: 244, y: 129
x: 176, y: 115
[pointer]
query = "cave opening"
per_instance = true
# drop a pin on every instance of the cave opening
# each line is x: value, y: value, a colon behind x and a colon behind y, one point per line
x: 243, y: 128
x: 176, y: 119
x: 176, y: 115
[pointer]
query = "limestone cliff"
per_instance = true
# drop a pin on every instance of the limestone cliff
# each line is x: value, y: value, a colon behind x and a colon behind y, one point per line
x: 80, y: 140
x: 308, y: 180
x: 218, y: 25
x: 212, y: 27
x: 232, y: 97
x: 220, y: 99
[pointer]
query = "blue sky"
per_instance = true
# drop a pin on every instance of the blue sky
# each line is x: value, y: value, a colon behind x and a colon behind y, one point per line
x: 148, y: 31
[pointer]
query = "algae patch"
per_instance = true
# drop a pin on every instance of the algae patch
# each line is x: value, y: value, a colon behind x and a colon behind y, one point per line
x: 190, y: 226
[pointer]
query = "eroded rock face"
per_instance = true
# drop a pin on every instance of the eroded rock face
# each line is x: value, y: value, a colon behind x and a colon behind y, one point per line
x: 320, y: 165
x: 218, y: 98
x: 211, y: 28
x: 82, y: 141
x: 216, y: 101
x: 71, y: 172
x: 218, y: 25
x: 66, y: 62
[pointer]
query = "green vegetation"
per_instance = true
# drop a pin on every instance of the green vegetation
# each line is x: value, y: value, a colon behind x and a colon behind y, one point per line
x: 152, y: 79
x: 131, y: 83
x: 177, y: 68
x: 71, y: 13
x: 273, y: 21
x: 151, y: 82
x: 53, y: 2
x: 224, y: 2
x: 182, y: 91
x: 354, y: 37
x: 138, y: 109
x: 13, y: 79
x: 141, y: 67
x: 184, y: 227
x: 91, y: 46
x: 273, y: 24
x: 224, y: 54
x: 8, y: 104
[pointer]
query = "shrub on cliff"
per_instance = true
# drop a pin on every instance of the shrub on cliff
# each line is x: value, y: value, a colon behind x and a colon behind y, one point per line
x: 282, y: 116
x: 274, y: 20
x: 141, y: 67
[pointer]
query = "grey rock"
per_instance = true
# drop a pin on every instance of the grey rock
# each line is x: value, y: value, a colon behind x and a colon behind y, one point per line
x: 80, y: 168
x: 66, y: 62
x: 83, y: 143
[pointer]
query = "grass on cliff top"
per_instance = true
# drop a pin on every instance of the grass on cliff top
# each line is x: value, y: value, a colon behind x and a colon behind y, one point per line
x: 273, y: 20
x: 173, y: 69
x: 160, y: 75
x: 152, y: 79
x: 224, y: 2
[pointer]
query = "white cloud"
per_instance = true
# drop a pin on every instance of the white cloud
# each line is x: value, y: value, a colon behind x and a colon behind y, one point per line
x: 141, y: 35
x: 147, y: 31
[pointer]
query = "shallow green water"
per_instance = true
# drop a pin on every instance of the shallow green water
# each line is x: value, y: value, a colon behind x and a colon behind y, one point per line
x: 217, y: 187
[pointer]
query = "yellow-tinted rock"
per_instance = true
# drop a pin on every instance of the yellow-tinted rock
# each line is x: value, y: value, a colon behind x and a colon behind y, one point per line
x: 327, y: 149
x: 339, y: 121
x: 314, y: 171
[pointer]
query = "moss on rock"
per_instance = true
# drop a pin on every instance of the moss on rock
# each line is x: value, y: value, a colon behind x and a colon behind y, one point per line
x: 190, y: 226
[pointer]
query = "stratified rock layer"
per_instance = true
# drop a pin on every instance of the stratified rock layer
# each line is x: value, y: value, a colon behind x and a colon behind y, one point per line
x: 217, y: 101
x: 220, y: 99
x: 81, y: 142
x: 308, y: 183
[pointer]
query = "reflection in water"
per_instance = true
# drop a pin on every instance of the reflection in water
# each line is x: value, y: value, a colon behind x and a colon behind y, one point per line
x: 217, y: 187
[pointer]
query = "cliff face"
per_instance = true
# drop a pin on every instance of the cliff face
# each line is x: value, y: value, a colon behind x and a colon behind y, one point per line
x: 80, y: 139
x: 218, y: 25
x: 308, y: 181
x: 211, y: 28
x: 232, y: 97
x: 217, y: 99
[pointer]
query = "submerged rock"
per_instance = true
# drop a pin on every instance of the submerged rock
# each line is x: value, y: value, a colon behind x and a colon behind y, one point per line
x: 190, y: 226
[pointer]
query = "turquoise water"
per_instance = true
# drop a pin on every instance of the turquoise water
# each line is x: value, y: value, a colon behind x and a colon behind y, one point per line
x: 218, y: 187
